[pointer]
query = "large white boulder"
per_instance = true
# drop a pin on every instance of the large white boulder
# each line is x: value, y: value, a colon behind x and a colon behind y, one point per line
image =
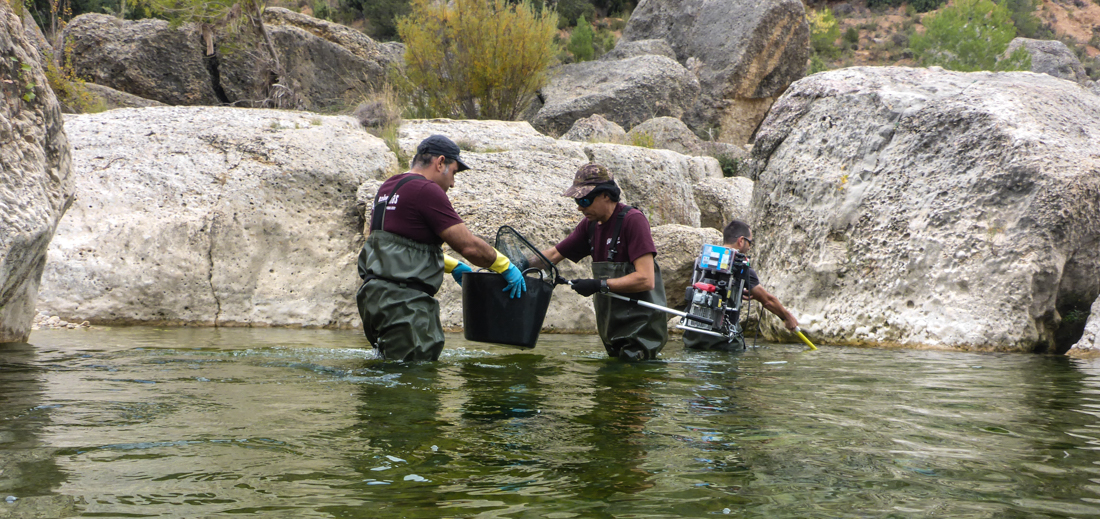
x: 36, y: 177
x: 212, y: 216
x: 921, y: 207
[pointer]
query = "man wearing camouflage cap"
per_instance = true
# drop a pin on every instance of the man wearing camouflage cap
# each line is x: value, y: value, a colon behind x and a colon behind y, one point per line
x: 618, y: 238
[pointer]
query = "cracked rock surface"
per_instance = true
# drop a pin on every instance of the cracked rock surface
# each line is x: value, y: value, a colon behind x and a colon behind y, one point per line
x: 195, y: 215
x: 921, y: 207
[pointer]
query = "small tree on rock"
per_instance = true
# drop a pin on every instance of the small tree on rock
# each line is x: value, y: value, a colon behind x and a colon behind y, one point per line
x: 580, y: 42
x: 476, y: 59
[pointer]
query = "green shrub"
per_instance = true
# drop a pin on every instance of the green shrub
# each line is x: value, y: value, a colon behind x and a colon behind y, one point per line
x: 478, y: 59
x: 731, y: 166
x: 569, y: 11
x: 824, y: 32
x: 642, y: 140
x: 969, y: 35
x: 851, y: 36
x: 923, y: 6
x: 580, y: 42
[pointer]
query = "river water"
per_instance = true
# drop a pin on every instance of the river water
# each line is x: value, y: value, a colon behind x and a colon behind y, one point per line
x: 202, y: 422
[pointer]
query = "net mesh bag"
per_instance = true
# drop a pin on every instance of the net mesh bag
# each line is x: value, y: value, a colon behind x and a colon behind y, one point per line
x: 525, y: 256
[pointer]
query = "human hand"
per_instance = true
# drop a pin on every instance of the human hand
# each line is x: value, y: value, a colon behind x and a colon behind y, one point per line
x: 459, y: 270
x: 586, y: 287
x: 516, y: 284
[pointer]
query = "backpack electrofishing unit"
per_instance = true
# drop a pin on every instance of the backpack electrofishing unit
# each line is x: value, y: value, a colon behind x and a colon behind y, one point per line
x: 715, y: 291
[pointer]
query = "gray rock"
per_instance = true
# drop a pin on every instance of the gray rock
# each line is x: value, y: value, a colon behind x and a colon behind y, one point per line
x: 721, y: 200
x: 1089, y: 344
x: 1051, y: 57
x: 629, y: 49
x: 146, y: 58
x: 36, y: 180
x: 38, y: 40
x: 350, y: 39
x: 115, y: 99
x: 203, y: 215
x: 924, y: 207
x: 627, y: 92
x: 744, y: 52
x: 595, y: 128
x: 667, y: 133
x: 1093, y: 87
x: 323, y: 74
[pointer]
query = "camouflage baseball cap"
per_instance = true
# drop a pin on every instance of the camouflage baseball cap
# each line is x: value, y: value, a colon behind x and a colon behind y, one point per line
x: 586, y: 179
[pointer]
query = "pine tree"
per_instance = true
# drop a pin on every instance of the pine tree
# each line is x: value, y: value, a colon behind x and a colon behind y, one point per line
x: 969, y: 35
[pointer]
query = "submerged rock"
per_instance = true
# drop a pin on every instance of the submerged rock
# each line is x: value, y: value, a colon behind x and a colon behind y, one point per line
x: 921, y: 207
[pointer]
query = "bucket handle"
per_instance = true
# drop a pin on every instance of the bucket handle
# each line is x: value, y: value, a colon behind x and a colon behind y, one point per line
x: 530, y: 269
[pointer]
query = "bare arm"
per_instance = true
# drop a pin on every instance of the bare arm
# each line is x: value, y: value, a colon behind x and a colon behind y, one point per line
x: 551, y: 254
x: 774, y: 306
x: 641, y: 280
x: 459, y: 237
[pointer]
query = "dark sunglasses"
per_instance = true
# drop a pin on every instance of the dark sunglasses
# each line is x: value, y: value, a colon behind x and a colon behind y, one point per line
x: 748, y: 240
x: 586, y: 201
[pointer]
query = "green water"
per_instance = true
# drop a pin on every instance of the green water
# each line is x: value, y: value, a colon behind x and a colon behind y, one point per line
x: 143, y: 422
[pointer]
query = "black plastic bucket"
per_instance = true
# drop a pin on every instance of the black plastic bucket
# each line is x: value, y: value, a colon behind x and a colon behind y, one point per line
x: 489, y: 315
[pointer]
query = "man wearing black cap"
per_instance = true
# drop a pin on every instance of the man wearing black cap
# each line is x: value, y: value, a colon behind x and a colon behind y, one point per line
x: 402, y: 264
x: 618, y: 238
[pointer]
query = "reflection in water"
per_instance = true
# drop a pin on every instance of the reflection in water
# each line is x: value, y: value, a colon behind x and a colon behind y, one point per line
x: 622, y: 405
x: 28, y: 471
x: 301, y: 423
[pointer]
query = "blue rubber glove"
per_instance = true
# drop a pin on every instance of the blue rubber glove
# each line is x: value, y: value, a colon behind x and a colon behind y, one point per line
x: 458, y: 270
x: 516, y: 284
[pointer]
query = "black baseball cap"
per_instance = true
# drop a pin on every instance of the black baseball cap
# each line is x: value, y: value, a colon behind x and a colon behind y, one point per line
x: 441, y: 145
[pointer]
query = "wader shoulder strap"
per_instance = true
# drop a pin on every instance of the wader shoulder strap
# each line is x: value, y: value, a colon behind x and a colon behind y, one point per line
x: 378, y: 217
x: 613, y: 248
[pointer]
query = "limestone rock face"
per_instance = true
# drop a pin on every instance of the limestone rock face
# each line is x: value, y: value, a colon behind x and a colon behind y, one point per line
x: 723, y: 199
x: 327, y: 64
x: 146, y: 58
x: 354, y: 41
x: 1089, y: 344
x: 36, y: 178
x: 117, y: 99
x: 630, y: 49
x: 626, y: 92
x: 925, y: 207
x: 595, y: 128
x: 667, y: 133
x: 207, y: 216
x: 744, y: 52
x: 1051, y: 57
x: 677, y: 248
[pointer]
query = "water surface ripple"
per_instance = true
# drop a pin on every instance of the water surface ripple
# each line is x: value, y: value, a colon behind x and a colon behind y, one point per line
x: 148, y: 422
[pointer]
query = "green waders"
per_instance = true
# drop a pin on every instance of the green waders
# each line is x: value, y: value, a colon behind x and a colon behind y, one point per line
x: 400, y: 316
x: 700, y: 341
x: 630, y: 331
x: 400, y: 276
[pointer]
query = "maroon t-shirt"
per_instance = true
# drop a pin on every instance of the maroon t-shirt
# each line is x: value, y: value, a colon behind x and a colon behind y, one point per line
x: 420, y: 210
x: 635, y: 240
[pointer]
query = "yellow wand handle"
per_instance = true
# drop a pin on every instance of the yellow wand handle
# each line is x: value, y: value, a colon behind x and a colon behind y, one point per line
x: 804, y: 339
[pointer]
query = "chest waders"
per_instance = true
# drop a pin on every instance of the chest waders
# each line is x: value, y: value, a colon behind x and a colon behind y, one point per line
x: 400, y: 276
x: 628, y: 331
